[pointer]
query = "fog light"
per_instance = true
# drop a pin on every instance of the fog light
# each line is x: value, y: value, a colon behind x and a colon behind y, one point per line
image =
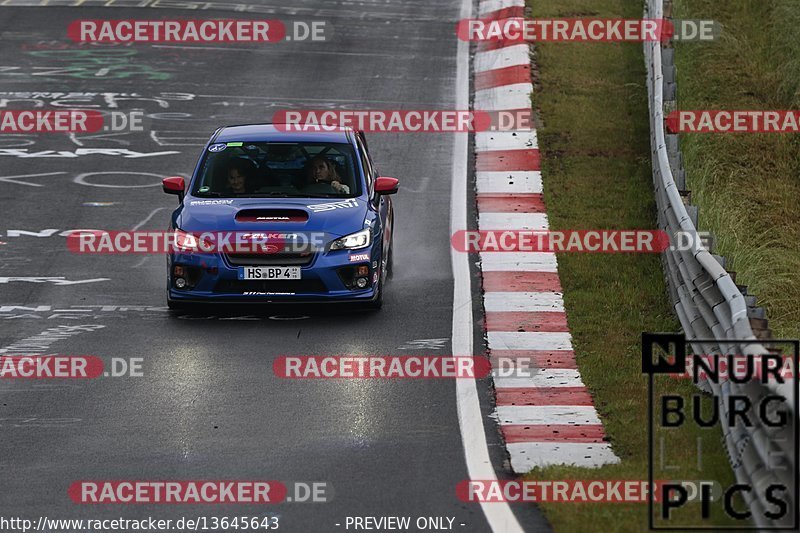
x: 180, y: 283
x: 363, y: 270
x: 361, y: 283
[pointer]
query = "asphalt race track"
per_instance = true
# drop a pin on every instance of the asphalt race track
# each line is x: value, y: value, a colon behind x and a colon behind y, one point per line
x: 208, y: 405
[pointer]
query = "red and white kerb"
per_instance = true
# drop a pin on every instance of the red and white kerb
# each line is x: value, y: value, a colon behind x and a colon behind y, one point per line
x: 546, y: 417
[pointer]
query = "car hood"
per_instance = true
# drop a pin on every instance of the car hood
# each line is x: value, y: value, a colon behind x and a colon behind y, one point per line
x: 334, y: 216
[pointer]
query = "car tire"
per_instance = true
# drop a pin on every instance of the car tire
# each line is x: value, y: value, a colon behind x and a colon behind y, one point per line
x: 378, y: 302
x: 390, y: 262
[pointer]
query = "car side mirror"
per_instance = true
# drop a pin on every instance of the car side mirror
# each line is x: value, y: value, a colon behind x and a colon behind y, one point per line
x: 174, y: 185
x: 386, y: 185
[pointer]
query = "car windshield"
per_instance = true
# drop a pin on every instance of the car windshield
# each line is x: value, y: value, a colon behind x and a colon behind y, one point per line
x: 276, y: 169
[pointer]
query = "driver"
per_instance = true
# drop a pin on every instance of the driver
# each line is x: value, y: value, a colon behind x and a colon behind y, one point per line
x: 321, y: 177
x: 239, y: 174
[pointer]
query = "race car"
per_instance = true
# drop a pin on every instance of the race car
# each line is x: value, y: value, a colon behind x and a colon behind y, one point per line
x: 295, y: 216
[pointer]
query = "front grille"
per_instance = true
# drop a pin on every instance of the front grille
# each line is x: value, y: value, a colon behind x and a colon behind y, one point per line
x: 279, y: 259
x: 289, y: 285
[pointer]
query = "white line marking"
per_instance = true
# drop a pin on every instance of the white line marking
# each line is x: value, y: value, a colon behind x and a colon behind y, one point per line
x: 512, y: 221
x: 10, y: 179
x: 147, y: 219
x: 476, y: 453
x: 529, y: 340
x: 509, y: 181
x: 59, y: 281
x: 531, y: 302
x: 265, y: 50
x: 577, y: 415
x: 527, y: 455
x: 518, y: 261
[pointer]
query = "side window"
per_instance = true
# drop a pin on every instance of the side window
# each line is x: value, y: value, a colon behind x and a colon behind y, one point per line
x: 365, y: 162
x: 369, y: 156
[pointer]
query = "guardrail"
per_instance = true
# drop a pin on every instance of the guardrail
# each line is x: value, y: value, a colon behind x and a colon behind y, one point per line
x: 709, y: 304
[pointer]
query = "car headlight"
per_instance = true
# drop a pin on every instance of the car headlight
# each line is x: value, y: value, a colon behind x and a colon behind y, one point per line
x: 354, y: 241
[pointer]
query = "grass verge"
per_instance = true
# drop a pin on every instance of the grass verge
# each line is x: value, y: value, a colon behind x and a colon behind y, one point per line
x: 748, y: 185
x: 594, y: 139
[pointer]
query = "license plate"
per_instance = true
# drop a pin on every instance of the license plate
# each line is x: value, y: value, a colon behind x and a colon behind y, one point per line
x: 269, y: 273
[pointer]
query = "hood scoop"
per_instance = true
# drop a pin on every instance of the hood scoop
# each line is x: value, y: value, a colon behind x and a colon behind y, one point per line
x: 272, y: 216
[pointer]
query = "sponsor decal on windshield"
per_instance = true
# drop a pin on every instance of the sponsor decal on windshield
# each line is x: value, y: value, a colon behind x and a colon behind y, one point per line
x: 211, y: 202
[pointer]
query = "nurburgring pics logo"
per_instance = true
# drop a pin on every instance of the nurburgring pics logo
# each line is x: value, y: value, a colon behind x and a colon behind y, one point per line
x: 759, y: 415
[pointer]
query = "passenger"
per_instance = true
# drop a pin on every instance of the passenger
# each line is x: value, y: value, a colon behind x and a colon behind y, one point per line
x: 321, y: 177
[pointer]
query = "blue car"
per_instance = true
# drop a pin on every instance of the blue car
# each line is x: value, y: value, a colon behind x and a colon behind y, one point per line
x: 312, y: 205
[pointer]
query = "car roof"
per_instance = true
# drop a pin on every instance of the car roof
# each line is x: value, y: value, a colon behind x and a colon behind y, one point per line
x: 273, y: 133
